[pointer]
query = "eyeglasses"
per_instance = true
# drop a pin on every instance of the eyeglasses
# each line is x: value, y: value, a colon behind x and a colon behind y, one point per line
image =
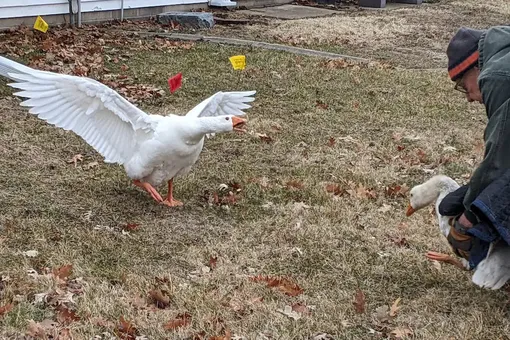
x: 459, y: 86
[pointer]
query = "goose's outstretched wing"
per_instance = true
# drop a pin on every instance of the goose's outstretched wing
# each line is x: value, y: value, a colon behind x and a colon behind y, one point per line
x: 223, y: 103
x: 98, y: 114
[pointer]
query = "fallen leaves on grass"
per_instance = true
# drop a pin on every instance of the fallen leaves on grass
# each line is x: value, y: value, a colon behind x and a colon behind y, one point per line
x: 295, y: 184
x: 181, y: 320
x: 159, y: 298
x: 264, y: 137
x: 125, y: 329
x: 76, y: 158
x: 213, y: 260
x: 395, y: 308
x: 84, y: 53
x: 385, y: 313
x: 5, y: 309
x: 288, y: 311
x: 359, y: 302
x: 242, y: 307
x: 321, y: 105
x: 395, y: 190
x: 42, y: 330
x: 401, y: 332
x: 66, y: 316
x: 99, y: 321
x: 91, y: 165
x: 335, y: 189
x: 284, y: 285
x: 400, y: 241
x: 130, y: 227
x: 227, y: 336
x: 361, y: 192
x: 63, y: 272
x: 382, y: 314
x: 223, y: 198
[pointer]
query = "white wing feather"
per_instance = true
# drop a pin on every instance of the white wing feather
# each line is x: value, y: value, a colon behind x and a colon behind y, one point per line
x: 98, y: 114
x: 222, y: 104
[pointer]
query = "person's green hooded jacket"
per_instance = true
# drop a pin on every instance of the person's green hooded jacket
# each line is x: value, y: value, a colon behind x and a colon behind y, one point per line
x: 494, y: 82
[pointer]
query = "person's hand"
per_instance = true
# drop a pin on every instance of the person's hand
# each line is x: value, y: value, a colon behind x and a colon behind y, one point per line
x: 458, y: 237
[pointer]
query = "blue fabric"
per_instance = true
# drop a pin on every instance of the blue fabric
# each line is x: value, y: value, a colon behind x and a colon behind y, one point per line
x: 492, y: 208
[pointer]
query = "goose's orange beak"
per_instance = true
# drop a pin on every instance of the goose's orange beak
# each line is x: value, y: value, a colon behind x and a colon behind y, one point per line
x: 238, y: 124
x: 410, y: 210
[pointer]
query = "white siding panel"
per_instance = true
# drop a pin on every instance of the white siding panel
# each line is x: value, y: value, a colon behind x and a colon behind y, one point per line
x: 27, y: 8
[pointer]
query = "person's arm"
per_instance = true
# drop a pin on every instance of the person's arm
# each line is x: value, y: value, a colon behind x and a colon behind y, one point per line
x: 495, y: 90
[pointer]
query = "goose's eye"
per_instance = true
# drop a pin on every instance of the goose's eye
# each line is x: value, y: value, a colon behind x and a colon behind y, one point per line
x: 227, y: 118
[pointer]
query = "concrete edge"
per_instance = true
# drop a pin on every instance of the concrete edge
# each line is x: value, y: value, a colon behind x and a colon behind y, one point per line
x: 252, y: 43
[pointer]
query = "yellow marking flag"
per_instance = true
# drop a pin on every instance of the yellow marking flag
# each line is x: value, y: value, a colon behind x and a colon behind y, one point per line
x: 238, y: 62
x: 40, y: 25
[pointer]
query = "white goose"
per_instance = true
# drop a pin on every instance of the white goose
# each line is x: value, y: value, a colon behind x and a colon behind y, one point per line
x: 493, y: 271
x: 152, y: 148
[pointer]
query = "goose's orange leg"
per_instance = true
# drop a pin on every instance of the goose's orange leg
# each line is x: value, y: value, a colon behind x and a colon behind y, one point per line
x: 432, y: 255
x: 170, y: 201
x: 150, y: 189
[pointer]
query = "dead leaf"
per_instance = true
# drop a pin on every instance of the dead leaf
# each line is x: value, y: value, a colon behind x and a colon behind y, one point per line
x: 361, y: 192
x: 335, y: 189
x: 126, y: 330
x: 284, y: 285
x: 382, y: 313
x: 181, y: 320
x: 63, y: 272
x: 256, y: 300
x: 99, y: 321
x: 394, y: 191
x: 437, y: 265
x: 227, y: 336
x: 212, y: 262
x: 400, y: 241
x: 422, y: 156
x: 264, y: 137
x: 321, y: 105
x: 130, y: 227
x: 91, y: 165
x: 359, y: 302
x: 403, y: 225
x: 66, y: 316
x: 5, y: 309
x: 160, y: 299
x: 124, y: 68
x: 331, y: 142
x: 76, y: 158
x: 395, y: 308
x: 288, y: 311
x: 401, y: 332
x: 42, y: 329
x: 295, y: 184
x: 301, y: 308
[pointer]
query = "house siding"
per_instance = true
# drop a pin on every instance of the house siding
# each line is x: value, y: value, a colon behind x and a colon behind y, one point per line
x: 30, y: 8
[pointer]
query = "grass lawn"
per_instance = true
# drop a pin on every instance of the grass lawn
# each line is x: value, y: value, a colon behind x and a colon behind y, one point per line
x: 359, y: 132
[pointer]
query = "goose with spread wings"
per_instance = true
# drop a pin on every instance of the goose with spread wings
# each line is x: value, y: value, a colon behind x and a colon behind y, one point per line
x: 153, y: 149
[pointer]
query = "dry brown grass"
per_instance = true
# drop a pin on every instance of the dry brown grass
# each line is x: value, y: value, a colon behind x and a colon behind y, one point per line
x: 331, y: 246
x: 414, y: 37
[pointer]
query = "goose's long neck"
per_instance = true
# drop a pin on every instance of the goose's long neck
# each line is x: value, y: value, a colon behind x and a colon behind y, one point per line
x: 445, y: 185
x: 197, y: 128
